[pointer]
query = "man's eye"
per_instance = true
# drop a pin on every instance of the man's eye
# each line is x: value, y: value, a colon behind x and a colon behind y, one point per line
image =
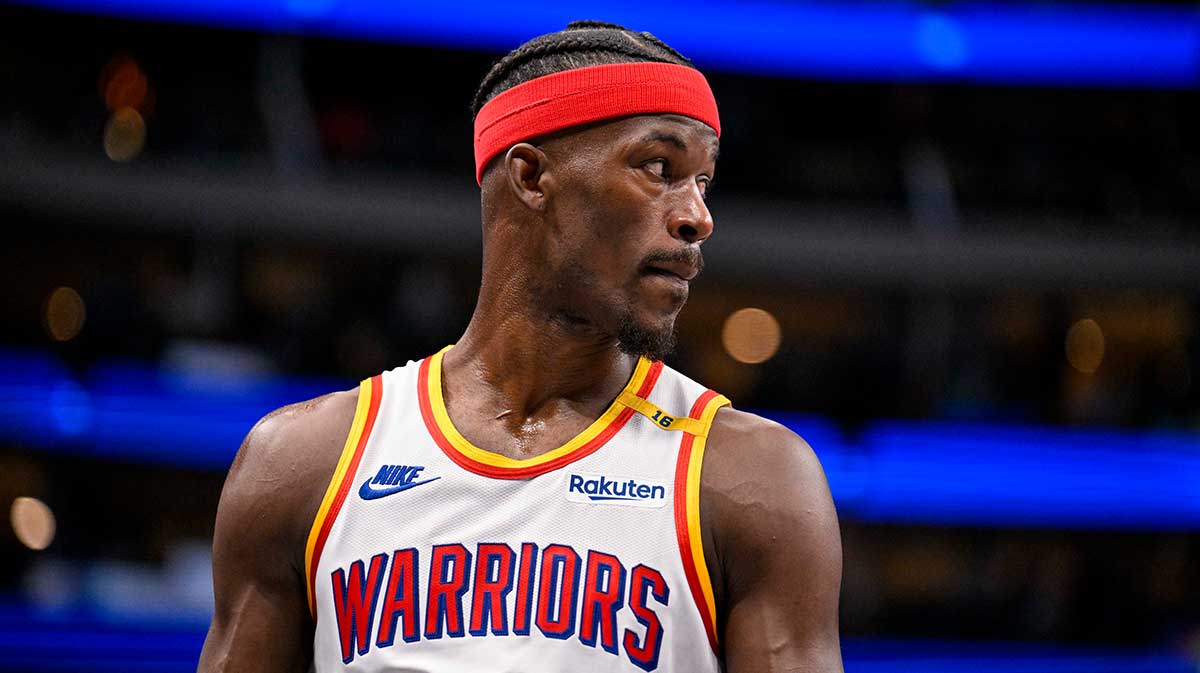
x: 657, y: 167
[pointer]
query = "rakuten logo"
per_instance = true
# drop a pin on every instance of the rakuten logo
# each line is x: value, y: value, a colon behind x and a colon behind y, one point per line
x: 607, y: 489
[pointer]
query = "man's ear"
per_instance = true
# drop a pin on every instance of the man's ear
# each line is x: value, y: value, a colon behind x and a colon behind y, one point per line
x: 526, y: 170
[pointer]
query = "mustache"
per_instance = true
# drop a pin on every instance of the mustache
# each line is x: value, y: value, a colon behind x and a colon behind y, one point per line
x: 690, y: 256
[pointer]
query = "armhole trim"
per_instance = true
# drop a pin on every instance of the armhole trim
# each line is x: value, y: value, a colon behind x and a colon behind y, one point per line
x: 370, y: 392
x: 687, y: 511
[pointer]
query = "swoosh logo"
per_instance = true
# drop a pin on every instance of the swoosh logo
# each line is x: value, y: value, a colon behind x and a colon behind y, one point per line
x: 367, y: 493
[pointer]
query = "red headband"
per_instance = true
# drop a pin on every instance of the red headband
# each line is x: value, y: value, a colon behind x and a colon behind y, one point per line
x: 573, y: 97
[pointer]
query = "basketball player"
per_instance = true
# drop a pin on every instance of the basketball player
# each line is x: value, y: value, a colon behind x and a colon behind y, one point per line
x: 545, y: 495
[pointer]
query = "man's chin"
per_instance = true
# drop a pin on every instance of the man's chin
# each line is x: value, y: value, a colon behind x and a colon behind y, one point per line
x: 654, y: 342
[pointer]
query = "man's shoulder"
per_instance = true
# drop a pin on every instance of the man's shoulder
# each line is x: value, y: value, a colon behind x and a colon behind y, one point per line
x: 285, y: 462
x: 754, y: 441
x: 765, y: 504
x: 293, y: 433
x: 755, y: 466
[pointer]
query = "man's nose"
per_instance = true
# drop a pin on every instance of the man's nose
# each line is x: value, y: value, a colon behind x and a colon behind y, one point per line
x: 691, y: 221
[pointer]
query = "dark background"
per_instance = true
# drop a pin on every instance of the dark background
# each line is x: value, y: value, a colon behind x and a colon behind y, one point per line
x: 302, y: 209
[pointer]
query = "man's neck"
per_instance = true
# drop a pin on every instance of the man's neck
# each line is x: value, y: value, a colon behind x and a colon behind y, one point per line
x: 521, y: 376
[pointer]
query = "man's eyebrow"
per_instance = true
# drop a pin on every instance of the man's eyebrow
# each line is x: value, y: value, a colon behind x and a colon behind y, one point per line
x: 665, y: 137
x: 675, y: 141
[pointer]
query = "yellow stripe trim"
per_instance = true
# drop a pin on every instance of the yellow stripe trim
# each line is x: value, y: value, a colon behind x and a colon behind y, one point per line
x: 693, y: 505
x: 339, y: 475
x: 438, y: 404
x: 661, y: 418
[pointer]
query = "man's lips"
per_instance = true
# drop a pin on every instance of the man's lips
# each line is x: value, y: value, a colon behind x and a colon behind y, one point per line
x: 682, y: 270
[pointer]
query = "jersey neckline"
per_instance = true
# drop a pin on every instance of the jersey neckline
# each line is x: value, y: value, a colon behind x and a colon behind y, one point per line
x: 487, y: 463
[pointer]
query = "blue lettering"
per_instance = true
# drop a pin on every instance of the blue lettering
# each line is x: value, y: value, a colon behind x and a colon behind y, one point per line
x: 604, y: 488
x: 590, y: 600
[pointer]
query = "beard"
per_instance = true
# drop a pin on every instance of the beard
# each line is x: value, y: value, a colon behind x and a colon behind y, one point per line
x: 655, y: 343
x: 573, y: 287
x: 634, y: 338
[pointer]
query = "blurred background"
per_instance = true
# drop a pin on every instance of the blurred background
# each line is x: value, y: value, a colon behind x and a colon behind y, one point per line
x: 957, y: 250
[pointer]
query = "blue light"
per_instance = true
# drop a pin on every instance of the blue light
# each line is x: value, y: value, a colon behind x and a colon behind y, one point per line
x: 1134, y: 45
x: 941, y: 43
x: 133, y: 411
x: 897, y: 472
x: 32, y: 640
x: 70, y: 408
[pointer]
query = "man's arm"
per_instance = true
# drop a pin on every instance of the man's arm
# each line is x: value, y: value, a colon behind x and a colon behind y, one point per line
x: 773, y: 548
x: 261, y: 620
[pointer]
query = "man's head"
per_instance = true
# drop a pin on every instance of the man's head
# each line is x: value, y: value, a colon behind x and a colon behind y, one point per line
x: 602, y: 220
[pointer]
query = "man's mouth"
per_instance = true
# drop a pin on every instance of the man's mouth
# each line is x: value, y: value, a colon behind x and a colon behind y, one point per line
x: 673, y: 269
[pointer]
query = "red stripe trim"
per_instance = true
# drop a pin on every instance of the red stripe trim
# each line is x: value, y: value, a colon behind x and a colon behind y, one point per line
x: 651, y: 378
x: 347, y: 481
x: 681, y: 522
x: 533, y: 470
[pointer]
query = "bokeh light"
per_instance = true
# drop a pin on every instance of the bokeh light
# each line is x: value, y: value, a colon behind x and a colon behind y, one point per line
x: 33, y: 523
x: 123, y: 84
x: 1085, y: 346
x: 751, y: 335
x: 64, y: 314
x: 124, y: 135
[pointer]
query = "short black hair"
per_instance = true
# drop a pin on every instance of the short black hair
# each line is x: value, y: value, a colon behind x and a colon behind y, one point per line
x: 581, y: 44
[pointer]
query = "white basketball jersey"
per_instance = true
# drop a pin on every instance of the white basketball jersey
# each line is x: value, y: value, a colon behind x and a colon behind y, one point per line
x: 431, y: 554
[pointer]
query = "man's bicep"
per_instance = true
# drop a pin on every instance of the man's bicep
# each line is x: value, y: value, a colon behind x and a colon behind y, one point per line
x: 782, y: 560
x: 257, y: 629
x: 261, y: 620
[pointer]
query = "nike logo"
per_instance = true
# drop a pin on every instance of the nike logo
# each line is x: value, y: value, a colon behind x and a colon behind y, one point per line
x: 366, y: 492
x: 392, y: 479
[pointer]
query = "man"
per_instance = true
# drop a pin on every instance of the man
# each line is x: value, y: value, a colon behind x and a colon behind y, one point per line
x: 545, y: 495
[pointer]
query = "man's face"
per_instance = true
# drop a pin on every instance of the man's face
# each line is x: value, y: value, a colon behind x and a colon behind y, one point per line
x: 627, y: 219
